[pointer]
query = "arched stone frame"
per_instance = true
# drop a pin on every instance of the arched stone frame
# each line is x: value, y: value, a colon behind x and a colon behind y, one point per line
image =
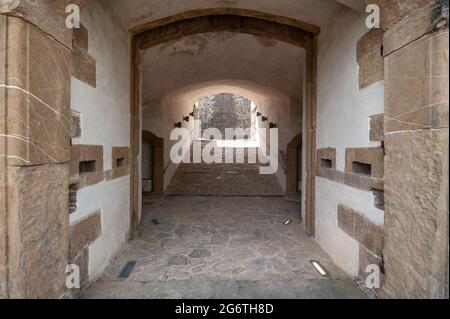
x: 292, y: 160
x: 232, y: 20
x: 157, y: 160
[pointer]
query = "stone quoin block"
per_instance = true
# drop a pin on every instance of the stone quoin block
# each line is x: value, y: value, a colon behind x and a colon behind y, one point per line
x: 420, y: 72
x: 84, y: 232
x: 120, y: 163
x: 37, y: 118
x: 360, y: 228
x: 376, y: 133
x: 86, y: 165
x: 365, y: 161
x: 370, y: 58
x: 416, y: 219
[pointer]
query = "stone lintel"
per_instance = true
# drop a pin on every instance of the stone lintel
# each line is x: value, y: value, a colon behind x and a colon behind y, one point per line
x: 360, y: 228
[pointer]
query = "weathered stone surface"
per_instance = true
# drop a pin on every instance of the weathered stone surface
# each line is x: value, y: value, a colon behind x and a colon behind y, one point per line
x: 81, y: 38
x: 38, y: 97
x: 360, y: 228
x: 376, y: 133
x: 372, y: 156
x: 418, y: 22
x: 86, y: 153
x: 84, y: 66
x: 37, y: 230
x: 224, y: 111
x: 416, y: 219
x: 394, y: 11
x: 47, y: 15
x: 75, y: 127
x: 84, y: 232
x: 325, y: 157
x: 420, y: 72
x: 370, y: 58
x: 200, y: 253
x: 82, y: 261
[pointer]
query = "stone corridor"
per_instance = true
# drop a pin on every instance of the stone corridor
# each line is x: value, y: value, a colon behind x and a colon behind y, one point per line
x: 222, y: 246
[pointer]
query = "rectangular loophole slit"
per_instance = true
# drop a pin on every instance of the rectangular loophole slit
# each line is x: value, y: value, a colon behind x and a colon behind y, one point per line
x: 120, y: 162
x: 326, y: 163
x: 362, y: 168
x: 87, y: 167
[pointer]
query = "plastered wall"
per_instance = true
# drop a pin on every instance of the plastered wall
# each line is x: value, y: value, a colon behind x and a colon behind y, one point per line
x: 343, y: 114
x: 105, y: 118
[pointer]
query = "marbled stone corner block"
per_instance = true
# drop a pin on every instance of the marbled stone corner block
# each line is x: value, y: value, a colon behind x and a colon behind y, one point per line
x: 38, y: 226
x: 370, y: 58
x: 416, y: 85
x: 37, y: 125
x: 75, y: 127
x: 416, y: 218
x: 84, y: 232
x: 360, y: 228
x: 394, y: 11
x: 365, y: 161
x: 376, y: 133
x: 418, y: 22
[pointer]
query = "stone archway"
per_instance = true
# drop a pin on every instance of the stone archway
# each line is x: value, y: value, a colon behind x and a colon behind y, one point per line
x: 157, y: 161
x: 232, y: 20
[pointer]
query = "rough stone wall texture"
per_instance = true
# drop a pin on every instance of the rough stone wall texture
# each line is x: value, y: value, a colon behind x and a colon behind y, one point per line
x: 416, y: 142
x: 416, y: 189
x: 35, y: 128
x: 37, y: 230
x: 225, y: 111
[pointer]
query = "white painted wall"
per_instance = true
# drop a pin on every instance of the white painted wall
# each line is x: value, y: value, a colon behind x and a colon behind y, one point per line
x: 343, y: 113
x: 105, y: 121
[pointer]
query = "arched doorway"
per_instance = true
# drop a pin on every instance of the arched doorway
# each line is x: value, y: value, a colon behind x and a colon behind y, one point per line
x: 152, y: 163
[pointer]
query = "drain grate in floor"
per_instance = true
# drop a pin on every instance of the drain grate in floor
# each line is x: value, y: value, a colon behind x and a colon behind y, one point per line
x: 126, y: 271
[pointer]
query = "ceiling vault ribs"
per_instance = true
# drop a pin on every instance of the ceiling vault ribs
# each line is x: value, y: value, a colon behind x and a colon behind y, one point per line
x: 226, y: 19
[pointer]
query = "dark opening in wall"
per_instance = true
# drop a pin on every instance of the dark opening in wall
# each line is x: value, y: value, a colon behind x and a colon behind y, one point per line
x: 362, y: 168
x: 120, y: 162
x: 326, y: 163
x: 87, y: 167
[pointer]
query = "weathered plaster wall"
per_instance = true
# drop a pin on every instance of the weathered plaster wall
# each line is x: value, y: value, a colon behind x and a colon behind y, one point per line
x: 105, y: 121
x: 343, y: 113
